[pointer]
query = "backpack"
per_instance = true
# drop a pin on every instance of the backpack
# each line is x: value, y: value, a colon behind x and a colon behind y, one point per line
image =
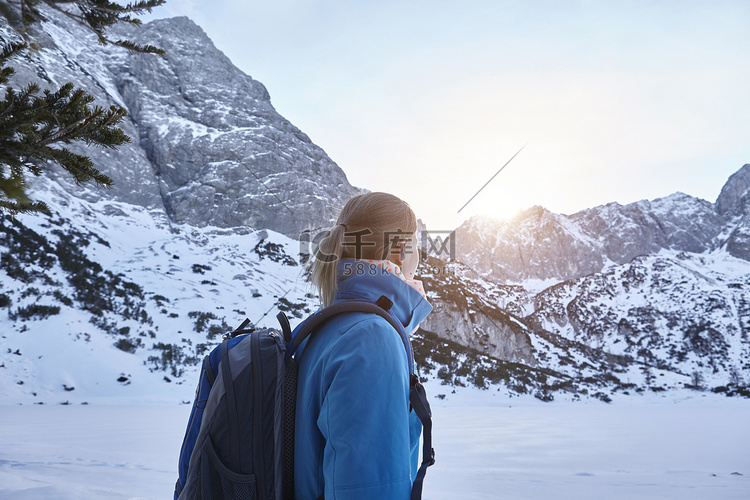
x: 239, y: 441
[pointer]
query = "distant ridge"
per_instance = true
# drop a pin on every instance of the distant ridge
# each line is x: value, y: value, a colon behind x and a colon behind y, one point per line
x: 539, y: 244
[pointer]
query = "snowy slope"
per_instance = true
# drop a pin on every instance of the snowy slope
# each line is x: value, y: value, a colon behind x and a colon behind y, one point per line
x: 115, y: 303
x: 135, y: 336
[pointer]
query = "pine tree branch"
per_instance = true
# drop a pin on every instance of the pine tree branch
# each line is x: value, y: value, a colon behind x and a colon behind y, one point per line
x: 69, y: 132
x: 138, y: 7
x: 79, y: 19
x: 96, y: 16
x: 34, y: 129
x: 30, y: 207
x: 146, y: 49
x: 9, y: 50
x: 81, y: 167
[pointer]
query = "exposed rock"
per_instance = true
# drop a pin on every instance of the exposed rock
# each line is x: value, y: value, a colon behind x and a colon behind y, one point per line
x: 730, y: 201
x: 207, y: 146
x: 474, y: 313
x: 222, y: 153
x: 677, y: 222
x: 536, y: 244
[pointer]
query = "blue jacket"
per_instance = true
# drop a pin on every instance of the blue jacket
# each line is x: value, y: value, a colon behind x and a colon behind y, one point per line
x: 354, y: 434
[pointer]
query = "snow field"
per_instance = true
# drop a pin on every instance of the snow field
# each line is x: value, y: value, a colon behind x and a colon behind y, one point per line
x: 692, y: 449
x: 594, y: 451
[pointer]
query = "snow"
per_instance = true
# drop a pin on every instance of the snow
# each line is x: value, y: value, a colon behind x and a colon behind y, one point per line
x: 75, y: 46
x: 65, y: 40
x: 592, y: 451
x: 693, y: 448
x: 535, y: 286
x: 68, y: 349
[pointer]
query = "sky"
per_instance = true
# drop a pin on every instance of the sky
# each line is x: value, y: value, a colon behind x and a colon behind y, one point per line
x: 611, y: 101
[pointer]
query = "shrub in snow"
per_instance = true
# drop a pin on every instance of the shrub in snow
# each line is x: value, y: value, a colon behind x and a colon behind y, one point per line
x: 35, y: 311
x: 201, y: 268
x: 129, y: 345
x: 296, y: 310
x: 201, y: 319
x: 172, y: 358
x: 273, y: 251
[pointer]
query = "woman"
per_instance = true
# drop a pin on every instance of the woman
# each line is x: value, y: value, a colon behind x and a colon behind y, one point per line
x: 356, y: 438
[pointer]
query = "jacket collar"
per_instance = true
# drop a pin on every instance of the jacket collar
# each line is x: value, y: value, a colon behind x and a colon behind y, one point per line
x: 358, y: 279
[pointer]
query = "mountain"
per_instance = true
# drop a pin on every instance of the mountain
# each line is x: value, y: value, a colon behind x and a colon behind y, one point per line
x: 656, y: 284
x: 117, y: 295
x: 734, y: 204
x: 208, y: 147
x: 110, y: 301
x: 657, y: 323
x: 539, y: 244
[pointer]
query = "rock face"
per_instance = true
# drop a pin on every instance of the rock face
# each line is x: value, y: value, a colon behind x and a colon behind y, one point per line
x: 207, y: 145
x: 536, y: 244
x: 676, y: 222
x: 541, y: 245
x: 477, y: 314
x: 734, y: 203
x: 733, y: 197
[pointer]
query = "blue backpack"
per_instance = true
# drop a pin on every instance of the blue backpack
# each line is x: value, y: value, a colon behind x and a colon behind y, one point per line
x: 239, y: 442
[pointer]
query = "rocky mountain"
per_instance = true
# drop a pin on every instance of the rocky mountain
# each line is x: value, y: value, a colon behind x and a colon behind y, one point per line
x: 732, y: 200
x: 659, y: 322
x: 118, y: 294
x: 734, y: 204
x: 110, y: 301
x: 682, y: 312
x: 660, y: 284
x: 208, y: 147
x: 538, y: 244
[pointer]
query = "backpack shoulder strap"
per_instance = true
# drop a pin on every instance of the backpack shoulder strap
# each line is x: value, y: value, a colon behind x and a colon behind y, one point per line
x: 380, y: 307
x: 418, y: 400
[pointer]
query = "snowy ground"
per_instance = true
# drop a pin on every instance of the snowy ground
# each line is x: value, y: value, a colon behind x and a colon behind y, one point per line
x: 690, y: 449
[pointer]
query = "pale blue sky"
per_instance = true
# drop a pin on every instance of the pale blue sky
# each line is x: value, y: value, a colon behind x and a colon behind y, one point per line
x: 617, y: 100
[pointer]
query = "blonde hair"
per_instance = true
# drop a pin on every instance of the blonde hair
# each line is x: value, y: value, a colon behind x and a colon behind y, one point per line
x: 368, y: 227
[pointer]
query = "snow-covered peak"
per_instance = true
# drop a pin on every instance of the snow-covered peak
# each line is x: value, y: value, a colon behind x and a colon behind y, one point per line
x: 539, y: 244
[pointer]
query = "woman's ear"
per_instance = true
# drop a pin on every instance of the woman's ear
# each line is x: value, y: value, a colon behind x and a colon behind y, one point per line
x: 397, y: 257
